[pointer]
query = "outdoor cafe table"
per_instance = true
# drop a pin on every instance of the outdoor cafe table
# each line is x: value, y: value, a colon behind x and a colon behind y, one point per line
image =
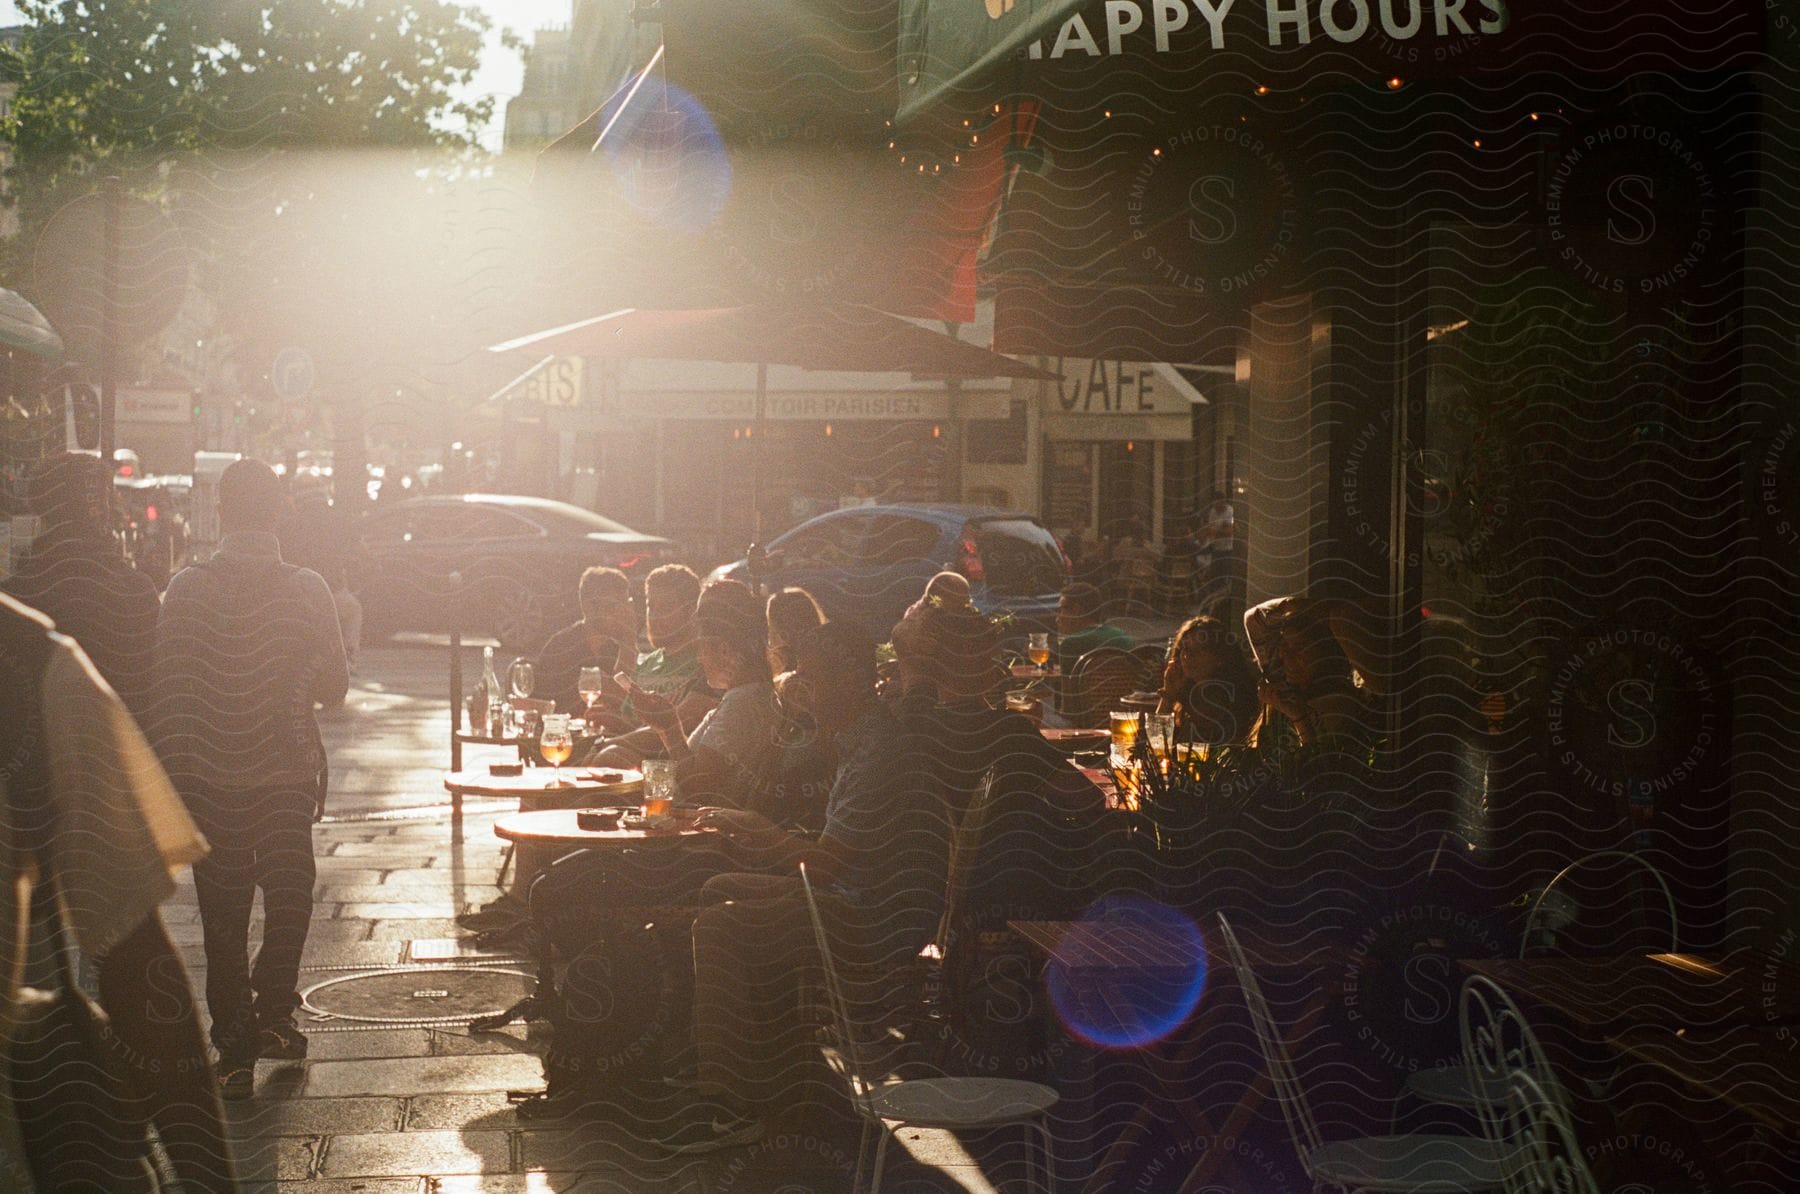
x: 1127, y: 949
x: 536, y: 787
x: 1752, y: 1069
x: 1688, y: 991
x: 543, y: 836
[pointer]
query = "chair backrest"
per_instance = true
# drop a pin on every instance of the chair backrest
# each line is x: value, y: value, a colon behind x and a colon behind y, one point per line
x: 1098, y: 681
x: 1496, y: 1041
x: 840, y: 1009
x: 1305, y: 1129
x: 965, y: 852
x: 1153, y: 656
x: 1545, y: 1158
x: 1621, y: 910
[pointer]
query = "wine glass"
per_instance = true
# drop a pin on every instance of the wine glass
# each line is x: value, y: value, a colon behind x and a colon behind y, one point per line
x: 556, y: 744
x: 519, y: 677
x: 1037, y: 648
x: 589, y: 685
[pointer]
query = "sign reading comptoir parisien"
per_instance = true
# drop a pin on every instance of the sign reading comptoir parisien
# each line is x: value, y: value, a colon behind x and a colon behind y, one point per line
x: 1166, y: 26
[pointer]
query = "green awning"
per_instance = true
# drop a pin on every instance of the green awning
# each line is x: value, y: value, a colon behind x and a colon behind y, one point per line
x: 23, y: 326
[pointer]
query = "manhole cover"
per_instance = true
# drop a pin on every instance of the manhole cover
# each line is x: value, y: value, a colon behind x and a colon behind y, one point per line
x: 419, y: 994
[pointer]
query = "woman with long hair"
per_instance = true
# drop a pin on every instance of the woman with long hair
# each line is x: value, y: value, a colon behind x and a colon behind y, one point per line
x: 791, y: 613
x: 1208, y: 684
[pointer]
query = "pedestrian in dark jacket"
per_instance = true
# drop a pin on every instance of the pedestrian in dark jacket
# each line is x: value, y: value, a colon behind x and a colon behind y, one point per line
x: 76, y: 572
x: 246, y: 646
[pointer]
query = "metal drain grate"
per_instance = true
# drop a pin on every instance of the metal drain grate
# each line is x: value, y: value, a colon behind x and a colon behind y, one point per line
x: 418, y: 994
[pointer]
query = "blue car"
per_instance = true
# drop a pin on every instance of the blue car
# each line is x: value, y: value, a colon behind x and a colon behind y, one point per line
x: 866, y: 564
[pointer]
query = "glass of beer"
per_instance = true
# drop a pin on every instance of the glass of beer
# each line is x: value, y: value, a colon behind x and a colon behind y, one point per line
x: 1037, y: 648
x: 659, y: 787
x: 556, y: 743
x: 1124, y: 766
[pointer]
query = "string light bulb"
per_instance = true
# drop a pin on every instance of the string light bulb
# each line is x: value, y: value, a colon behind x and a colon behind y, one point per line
x: 1395, y: 82
x: 1262, y: 89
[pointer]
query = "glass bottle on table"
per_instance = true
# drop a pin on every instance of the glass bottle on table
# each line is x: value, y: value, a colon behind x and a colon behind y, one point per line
x: 488, y: 695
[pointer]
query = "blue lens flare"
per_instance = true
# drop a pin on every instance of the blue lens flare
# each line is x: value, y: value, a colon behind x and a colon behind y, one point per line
x: 1135, y: 989
x: 667, y: 157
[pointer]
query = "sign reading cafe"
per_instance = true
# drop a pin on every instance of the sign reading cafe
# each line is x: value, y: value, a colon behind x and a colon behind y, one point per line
x: 1175, y: 26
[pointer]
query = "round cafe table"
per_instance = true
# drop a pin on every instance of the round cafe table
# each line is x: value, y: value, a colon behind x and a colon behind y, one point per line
x: 541, y: 837
x: 536, y: 787
x: 1072, y: 740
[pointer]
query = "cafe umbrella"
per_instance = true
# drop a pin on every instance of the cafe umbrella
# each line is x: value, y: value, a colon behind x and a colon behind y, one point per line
x: 838, y: 337
x: 23, y: 326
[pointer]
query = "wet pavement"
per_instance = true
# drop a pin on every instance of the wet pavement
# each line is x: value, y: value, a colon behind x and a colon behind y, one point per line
x: 418, y: 1109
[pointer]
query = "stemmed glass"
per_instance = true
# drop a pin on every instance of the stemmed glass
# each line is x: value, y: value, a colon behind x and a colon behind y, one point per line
x: 589, y: 686
x: 519, y: 678
x: 556, y: 744
x: 1037, y: 648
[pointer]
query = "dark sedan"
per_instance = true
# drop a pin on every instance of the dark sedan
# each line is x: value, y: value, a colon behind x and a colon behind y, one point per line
x: 489, y: 564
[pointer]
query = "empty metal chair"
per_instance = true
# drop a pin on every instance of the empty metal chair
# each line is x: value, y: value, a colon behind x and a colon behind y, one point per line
x: 1402, y: 1164
x: 954, y: 1104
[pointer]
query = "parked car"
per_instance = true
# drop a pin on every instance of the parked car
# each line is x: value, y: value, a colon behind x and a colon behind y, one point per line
x: 868, y: 563
x: 488, y: 564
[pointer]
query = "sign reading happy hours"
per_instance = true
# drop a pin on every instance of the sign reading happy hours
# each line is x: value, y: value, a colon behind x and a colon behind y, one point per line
x: 1178, y: 26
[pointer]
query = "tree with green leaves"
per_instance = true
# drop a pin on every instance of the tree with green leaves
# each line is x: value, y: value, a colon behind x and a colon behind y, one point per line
x: 121, y: 86
x: 286, y: 141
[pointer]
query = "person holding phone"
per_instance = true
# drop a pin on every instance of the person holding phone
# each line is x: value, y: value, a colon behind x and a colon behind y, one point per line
x: 1307, y: 675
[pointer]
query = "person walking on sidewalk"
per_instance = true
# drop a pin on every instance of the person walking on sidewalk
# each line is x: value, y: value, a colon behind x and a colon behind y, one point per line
x: 246, y: 646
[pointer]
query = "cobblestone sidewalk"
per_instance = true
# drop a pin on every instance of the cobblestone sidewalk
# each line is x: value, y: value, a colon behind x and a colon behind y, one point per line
x: 423, y: 1109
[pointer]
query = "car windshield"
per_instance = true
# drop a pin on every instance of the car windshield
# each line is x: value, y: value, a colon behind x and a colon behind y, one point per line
x: 1019, y: 557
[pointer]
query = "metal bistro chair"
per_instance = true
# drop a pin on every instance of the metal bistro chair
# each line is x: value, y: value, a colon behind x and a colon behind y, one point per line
x: 1456, y: 1085
x: 1497, y: 1043
x: 1540, y: 919
x: 1099, y: 680
x: 1545, y: 1157
x: 952, y: 1104
x: 1399, y: 1164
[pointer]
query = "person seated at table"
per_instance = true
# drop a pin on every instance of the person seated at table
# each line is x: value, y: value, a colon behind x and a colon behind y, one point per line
x: 806, y: 763
x: 1308, y: 677
x: 792, y: 613
x: 732, y: 757
x: 1080, y: 627
x: 671, y: 670
x: 879, y: 868
x: 946, y: 588
x: 948, y: 672
x: 605, y: 637
x: 1207, y: 684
